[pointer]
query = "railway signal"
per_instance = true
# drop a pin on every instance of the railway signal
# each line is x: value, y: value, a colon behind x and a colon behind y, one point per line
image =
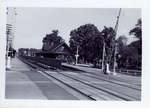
x: 77, y: 55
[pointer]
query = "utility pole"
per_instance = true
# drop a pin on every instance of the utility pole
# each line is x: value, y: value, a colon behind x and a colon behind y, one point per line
x: 11, y: 14
x: 116, y: 28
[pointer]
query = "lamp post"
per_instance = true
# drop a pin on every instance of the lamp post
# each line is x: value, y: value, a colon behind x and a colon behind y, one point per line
x: 77, y: 55
x: 103, y: 56
x: 115, y: 46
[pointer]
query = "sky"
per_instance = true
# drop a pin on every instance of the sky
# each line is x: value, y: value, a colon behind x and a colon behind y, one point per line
x: 33, y: 23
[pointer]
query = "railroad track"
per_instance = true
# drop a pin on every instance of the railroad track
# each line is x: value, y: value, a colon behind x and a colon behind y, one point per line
x: 113, y: 80
x: 118, y: 90
x: 107, y: 79
x: 84, y: 88
x: 91, y: 86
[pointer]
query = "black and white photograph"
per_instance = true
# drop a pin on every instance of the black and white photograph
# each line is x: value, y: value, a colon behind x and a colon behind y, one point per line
x: 92, y: 54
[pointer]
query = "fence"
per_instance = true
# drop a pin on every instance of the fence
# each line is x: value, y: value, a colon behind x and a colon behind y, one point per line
x: 129, y: 72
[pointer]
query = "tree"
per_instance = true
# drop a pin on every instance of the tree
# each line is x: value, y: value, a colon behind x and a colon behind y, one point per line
x: 91, y: 41
x: 121, y: 50
x: 130, y: 55
x: 88, y: 38
x: 134, y: 57
x: 55, y: 32
x: 137, y: 45
x: 137, y: 31
x: 108, y: 34
x: 51, y: 40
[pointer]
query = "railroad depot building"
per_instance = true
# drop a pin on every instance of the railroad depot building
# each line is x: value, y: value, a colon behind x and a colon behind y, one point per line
x: 53, y: 47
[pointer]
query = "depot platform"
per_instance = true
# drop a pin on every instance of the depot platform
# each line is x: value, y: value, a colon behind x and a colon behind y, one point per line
x: 22, y: 82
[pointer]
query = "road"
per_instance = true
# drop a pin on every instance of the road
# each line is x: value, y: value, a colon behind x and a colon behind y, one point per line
x: 24, y: 82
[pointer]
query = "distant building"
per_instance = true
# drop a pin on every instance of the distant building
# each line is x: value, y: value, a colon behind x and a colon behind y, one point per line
x: 55, y: 47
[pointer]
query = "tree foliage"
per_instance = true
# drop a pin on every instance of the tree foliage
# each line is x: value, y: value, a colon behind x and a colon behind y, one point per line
x: 108, y: 35
x: 121, y: 51
x: 137, y: 31
x: 91, y: 41
x: 137, y: 45
x: 88, y: 38
x: 51, y: 40
x: 130, y: 56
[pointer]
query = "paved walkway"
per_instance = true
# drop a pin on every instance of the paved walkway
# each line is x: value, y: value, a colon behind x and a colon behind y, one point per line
x: 121, y: 77
x: 24, y: 83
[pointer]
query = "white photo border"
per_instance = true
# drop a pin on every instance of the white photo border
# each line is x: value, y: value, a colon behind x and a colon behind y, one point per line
x: 143, y: 4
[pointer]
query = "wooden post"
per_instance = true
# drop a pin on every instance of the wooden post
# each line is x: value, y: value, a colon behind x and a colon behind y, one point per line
x: 116, y: 28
